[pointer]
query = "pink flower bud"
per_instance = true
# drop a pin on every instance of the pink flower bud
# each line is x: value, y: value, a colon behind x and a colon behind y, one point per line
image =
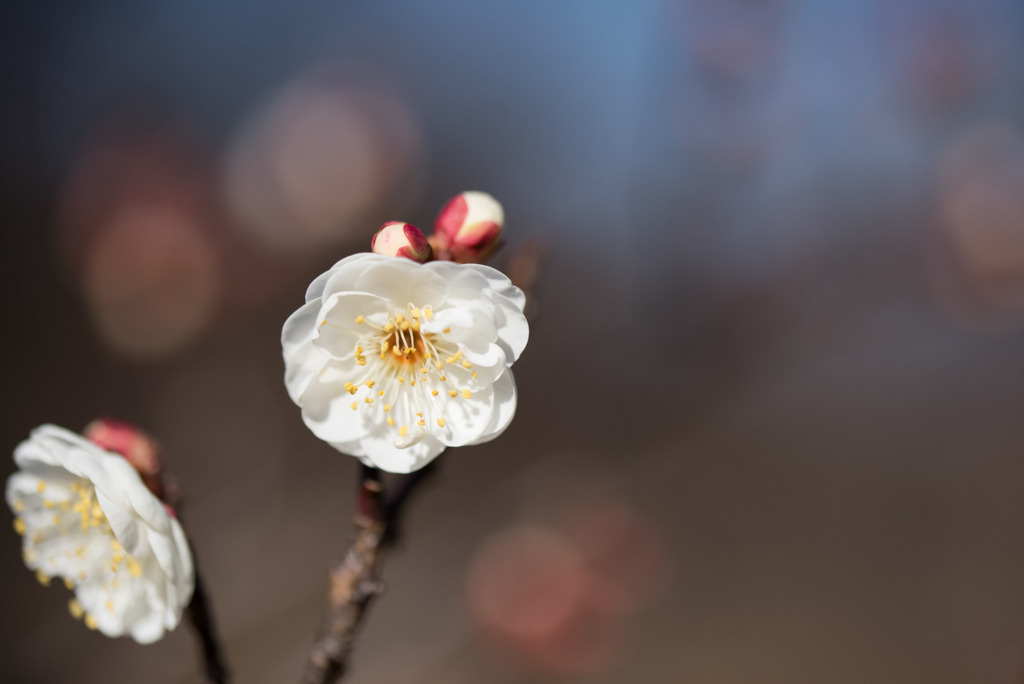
x: 137, y: 447
x: 401, y: 240
x: 468, y: 229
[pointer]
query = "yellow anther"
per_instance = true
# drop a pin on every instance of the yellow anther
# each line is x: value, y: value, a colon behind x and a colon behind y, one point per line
x: 474, y: 375
x: 368, y: 400
x: 380, y: 393
x: 424, y: 370
x: 79, y: 551
x: 416, y: 326
x: 48, y: 504
x: 391, y: 421
x: 418, y: 414
x: 361, y: 360
x: 75, y: 608
x: 134, y: 569
x: 43, y: 578
x: 402, y: 430
x: 412, y: 383
x: 18, y: 505
x: 399, y: 318
x: 407, y: 350
x: 387, y: 407
x: 443, y: 378
x: 110, y: 605
x: 29, y: 555
x: 370, y: 383
x: 416, y: 312
x: 115, y: 545
x: 19, y: 526
x: 69, y: 583
x: 355, y: 405
x: 359, y: 350
x: 421, y: 422
x: 467, y: 394
x: 427, y: 313
x: 359, y: 319
x: 466, y: 364
x: 396, y: 350
x: 440, y: 422
x: 348, y: 386
x: 90, y: 622
x: 389, y: 326
x: 453, y: 394
x: 81, y: 575
x: 401, y: 379
x: 433, y: 393
x: 41, y: 487
x: 446, y: 330
x: 406, y: 325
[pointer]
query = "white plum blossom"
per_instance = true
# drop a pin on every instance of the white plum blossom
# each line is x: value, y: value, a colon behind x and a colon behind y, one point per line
x: 392, y: 361
x: 85, y: 516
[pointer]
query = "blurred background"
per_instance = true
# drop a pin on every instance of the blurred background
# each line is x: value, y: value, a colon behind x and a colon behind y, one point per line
x: 771, y: 419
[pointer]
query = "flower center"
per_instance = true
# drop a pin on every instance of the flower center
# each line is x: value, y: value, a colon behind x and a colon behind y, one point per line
x: 57, y: 515
x: 407, y: 374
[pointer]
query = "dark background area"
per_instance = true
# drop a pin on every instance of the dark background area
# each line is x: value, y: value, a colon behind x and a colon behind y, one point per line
x: 771, y: 418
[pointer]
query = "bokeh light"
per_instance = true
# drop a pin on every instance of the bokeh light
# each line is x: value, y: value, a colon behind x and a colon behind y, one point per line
x: 311, y: 165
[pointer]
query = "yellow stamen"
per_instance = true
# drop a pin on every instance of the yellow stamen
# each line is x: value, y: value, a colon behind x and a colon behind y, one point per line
x: 440, y: 422
x: 75, y: 608
x: 19, y: 526
x: 41, y: 487
x: 387, y: 407
x: 355, y: 405
x: 359, y: 319
x: 467, y: 394
x: 391, y: 421
x: 43, y: 578
x: 402, y: 430
x: 453, y: 394
x: 90, y: 622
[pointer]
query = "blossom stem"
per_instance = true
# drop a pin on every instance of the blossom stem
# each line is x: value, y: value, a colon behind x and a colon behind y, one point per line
x: 201, y: 619
x: 354, y: 582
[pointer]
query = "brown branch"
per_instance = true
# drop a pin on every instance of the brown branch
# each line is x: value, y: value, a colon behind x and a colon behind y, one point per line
x: 201, y: 619
x: 355, y: 581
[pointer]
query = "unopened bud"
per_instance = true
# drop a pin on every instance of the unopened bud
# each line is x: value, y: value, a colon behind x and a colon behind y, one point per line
x: 468, y: 229
x: 137, y: 447
x: 401, y: 240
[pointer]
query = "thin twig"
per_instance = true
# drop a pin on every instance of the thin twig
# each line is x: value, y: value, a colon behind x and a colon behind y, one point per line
x: 201, y: 619
x: 355, y: 581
